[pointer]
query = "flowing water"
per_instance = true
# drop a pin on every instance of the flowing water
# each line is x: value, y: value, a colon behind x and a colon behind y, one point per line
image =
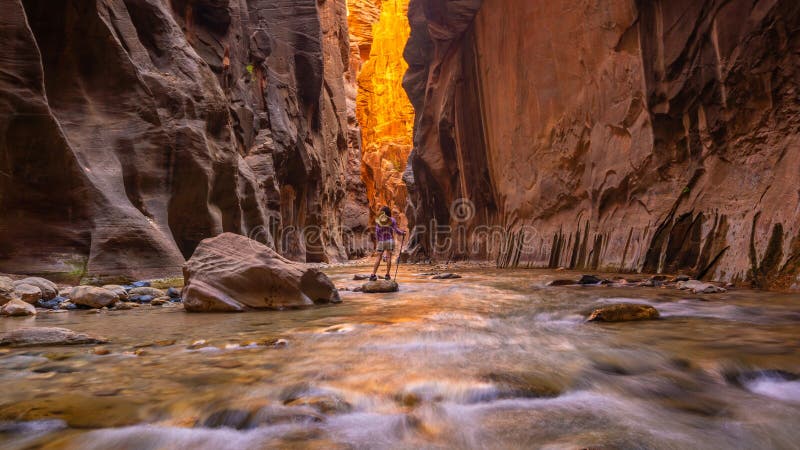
x: 492, y: 360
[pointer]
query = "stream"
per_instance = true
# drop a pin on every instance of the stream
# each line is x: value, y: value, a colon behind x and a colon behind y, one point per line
x: 492, y: 360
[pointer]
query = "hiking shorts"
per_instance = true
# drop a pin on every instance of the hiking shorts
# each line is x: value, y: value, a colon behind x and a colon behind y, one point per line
x: 386, y: 245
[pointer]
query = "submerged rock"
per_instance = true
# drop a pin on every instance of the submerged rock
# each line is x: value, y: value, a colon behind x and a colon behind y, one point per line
x: 48, y: 288
x: 699, y: 287
x: 28, y: 292
x: 40, y: 336
x: 623, y: 312
x: 589, y: 279
x: 561, y: 283
x: 17, y: 307
x: 379, y: 286
x: 446, y: 276
x: 93, y: 297
x: 234, y: 273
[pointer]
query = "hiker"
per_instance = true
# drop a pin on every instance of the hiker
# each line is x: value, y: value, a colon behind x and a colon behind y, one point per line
x: 385, y: 228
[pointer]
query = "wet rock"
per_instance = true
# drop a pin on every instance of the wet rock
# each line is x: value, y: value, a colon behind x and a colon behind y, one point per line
x: 160, y: 301
x: 742, y: 378
x: 53, y: 303
x: 100, y: 351
x: 699, y: 287
x: 201, y: 343
x: 273, y: 415
x: 68, y: 305
x: 173, y: 293
x: 43, y: 336
x: 227, y: 418
x: 48, y: 288
x: 589, y: 279
x: 6, y: 290
x: 28, y: 292
x: 17, y: 308
x: 325, y: 404
x: 145, y: 291
x: 380, y: 286
x: 65, y: 291
x: 124, y: 306
x: 681, y: 278
x: 233, y: 273
x: 360, y: 277
x: 527, y: 384
x: 623, y: 312
x: 93, y: 297
x: 140, y: 284
x: 561, y: 283
x: 122, y: 294
x: 446, y: 276
x: 142, y: 299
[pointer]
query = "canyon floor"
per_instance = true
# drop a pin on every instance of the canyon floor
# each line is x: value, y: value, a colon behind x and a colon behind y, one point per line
x: 495, y: 359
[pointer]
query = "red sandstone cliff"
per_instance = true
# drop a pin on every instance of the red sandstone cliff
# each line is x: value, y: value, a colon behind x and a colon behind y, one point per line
x: 132, y: 129
x: 621, y: 135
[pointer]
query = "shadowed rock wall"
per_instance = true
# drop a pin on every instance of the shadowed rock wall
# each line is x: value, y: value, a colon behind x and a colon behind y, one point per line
x: 620, y: 135
x: 130, y: 130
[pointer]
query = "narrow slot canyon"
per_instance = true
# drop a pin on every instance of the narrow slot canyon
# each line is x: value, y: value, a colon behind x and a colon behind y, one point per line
x: 379, y: 30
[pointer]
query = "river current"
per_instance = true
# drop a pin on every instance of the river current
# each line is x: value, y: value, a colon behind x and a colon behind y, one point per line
x: 492, y: 360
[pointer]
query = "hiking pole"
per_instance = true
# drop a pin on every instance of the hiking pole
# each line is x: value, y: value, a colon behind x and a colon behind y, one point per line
x: 400, y: 253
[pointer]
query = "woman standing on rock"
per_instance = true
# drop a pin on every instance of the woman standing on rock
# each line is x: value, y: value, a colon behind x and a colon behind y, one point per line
x: 385, y: 228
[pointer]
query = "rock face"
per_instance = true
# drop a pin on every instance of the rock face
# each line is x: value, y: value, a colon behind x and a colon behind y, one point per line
x: 233, y: 273
x: 141, y: 127
x: 42, y: 336
x: 384, y: 112
x: 623, y: 312
x: 614, y: 135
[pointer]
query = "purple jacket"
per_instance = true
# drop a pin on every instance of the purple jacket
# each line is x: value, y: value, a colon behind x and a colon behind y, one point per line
x: 387, y: 233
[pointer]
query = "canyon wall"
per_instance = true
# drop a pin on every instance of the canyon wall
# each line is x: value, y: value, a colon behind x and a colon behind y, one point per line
x: 130, y: 130
x: 656, y: 136
x: 379, y: 30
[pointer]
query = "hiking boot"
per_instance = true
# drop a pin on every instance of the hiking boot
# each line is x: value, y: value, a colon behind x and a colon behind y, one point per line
x: 373, y: 277
x: 387, y: 277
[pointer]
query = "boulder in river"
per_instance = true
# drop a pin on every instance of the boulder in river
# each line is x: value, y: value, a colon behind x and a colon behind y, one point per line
x: 145, y: 291
x: 48, y: 288
x: 41, y: 336
x: 93, y: 297
x: 380, y: 286
x: 6, y: 290
x: 360, y: 277
x: 623, y: 312
x: 17, y: 307
x: 589, y: 279
x: 699, y: 287
x: 561, y: 282
x: 233, y: 273
x: 28, y: 293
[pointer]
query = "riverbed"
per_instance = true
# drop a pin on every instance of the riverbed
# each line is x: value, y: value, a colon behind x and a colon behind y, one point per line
x: 492, y: 360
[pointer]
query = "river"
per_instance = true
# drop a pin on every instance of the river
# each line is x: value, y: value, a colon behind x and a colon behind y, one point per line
x: 492, y: 360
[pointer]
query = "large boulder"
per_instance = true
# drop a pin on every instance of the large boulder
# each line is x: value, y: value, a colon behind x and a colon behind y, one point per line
x: 17, y: 307
x: 35, y: 336
x: 623, y: 312
x: 230, y: 272
x: 48, y: 288
x: 6, y: 290
x: 92, y: 296
x: 380, y: 286
x: 28, y: 293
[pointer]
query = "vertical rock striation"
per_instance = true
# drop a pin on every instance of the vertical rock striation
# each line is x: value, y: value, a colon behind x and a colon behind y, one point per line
x: 631, y: 136
x: 130, y: 130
